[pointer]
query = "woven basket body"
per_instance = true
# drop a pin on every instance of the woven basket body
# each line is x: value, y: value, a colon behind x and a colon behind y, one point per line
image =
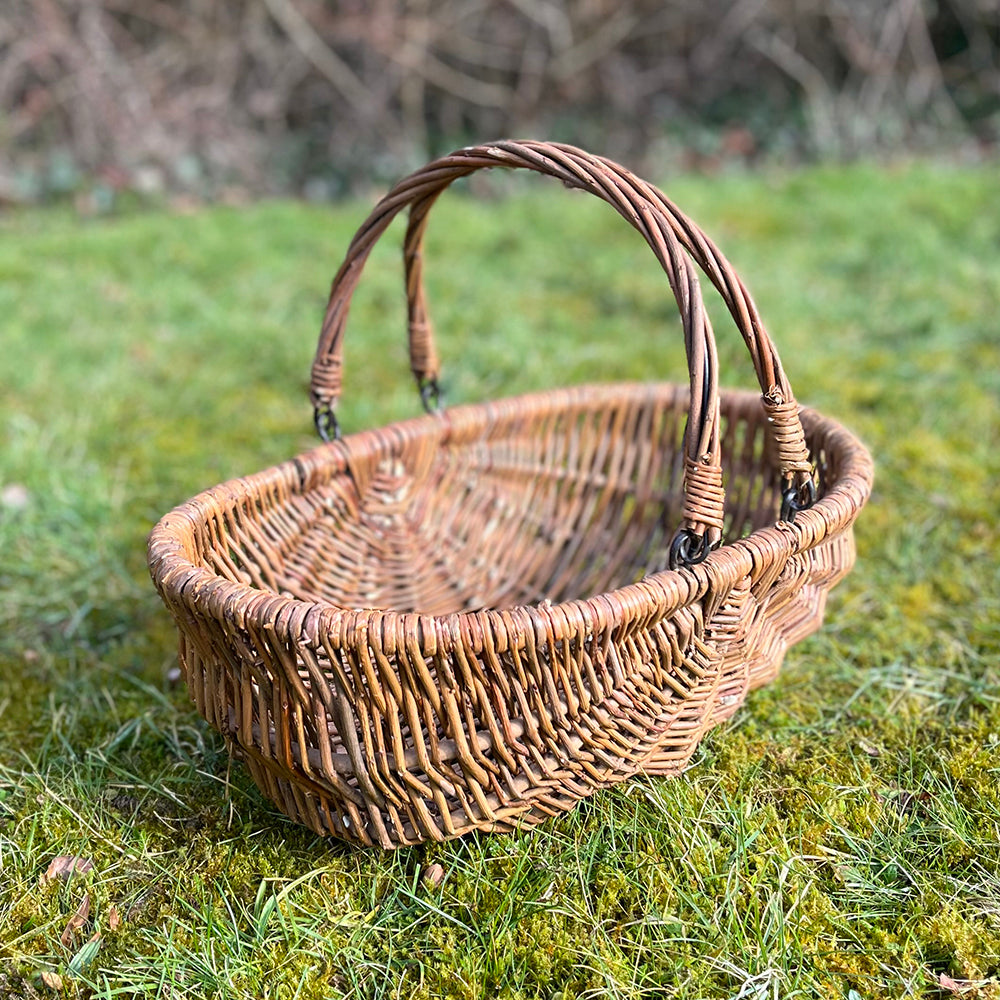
x: 473, y: 619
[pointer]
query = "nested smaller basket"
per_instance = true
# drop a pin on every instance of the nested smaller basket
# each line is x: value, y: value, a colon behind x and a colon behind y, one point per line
x: 472, y: 619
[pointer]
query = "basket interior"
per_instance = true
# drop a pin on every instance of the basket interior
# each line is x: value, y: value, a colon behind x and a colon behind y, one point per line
x: 515, y: 505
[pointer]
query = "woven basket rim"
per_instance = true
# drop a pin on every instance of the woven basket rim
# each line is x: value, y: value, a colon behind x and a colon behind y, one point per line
x: 171, y: 569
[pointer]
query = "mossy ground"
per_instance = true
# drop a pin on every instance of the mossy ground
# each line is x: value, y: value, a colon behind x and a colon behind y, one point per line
x: 839, y: 838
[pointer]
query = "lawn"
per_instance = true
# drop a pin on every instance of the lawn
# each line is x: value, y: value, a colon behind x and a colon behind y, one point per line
x: 838, y: 838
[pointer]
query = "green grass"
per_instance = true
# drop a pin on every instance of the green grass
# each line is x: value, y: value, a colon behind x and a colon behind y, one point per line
x: 839, y: 838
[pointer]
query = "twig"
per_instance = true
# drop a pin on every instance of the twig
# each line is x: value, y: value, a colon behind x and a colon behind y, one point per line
x: 713, y: 46
x: 929, y: 68
x: 594, y: 47
x: 550, y: 16
x: 448, y: 79
x: 309, y: 43
x: 809, y: 78
x: 890, y: 45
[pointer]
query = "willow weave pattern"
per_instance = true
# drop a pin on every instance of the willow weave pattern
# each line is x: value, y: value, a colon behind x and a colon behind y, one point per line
x: 468, y: 620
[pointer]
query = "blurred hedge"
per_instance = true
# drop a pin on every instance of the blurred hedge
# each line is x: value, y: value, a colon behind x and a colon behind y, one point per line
x: 256, y: 95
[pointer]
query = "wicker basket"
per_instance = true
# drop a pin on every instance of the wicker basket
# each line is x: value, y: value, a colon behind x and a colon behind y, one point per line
x: 473, y: 619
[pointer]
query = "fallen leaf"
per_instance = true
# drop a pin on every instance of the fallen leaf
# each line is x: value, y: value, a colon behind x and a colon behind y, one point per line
x: 52, y: 980
x: 76, y: 921
x: 65, y: 865
x: 908, y: 801
x: 959, y: 986
x: 433, y: 876
x: 114, y: 918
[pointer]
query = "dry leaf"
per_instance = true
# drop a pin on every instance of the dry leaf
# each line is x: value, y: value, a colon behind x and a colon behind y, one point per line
x: 65, y: 865
x: 959, y: 986
x: 434, y: 876
x: 114, y: 918
x: 908, y: 801
x: 52, y: 980
x: 76, y: 921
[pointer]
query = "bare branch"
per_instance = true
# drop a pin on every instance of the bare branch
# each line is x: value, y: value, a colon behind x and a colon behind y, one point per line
x: 593, y: 48
x: 819, y: 95
x: 309, y: 43
x: 449, y: 79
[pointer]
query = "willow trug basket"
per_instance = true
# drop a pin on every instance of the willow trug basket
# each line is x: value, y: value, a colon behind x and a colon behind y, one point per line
x: 472, y: 619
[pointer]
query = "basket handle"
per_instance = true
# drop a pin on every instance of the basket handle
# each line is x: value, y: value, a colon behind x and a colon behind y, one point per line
x: 666, y: 230
x: 778, y: 400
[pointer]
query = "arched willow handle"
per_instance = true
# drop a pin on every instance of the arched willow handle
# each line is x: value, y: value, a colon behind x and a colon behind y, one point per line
x: 667, y: 231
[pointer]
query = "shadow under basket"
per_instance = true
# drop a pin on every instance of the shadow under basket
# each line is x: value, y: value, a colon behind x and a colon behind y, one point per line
x: 475, y: 618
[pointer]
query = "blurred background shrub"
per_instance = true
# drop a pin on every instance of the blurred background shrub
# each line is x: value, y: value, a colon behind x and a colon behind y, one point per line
x: 232, y: 98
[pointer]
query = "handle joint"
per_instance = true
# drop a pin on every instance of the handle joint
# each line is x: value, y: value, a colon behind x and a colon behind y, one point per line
x: 430, y: 394
x: 689, y: 548
x: 325, y: 419
x: 796, y: 498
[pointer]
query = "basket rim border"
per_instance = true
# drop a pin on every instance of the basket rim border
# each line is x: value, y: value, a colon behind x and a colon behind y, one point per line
x: 618, y: 610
